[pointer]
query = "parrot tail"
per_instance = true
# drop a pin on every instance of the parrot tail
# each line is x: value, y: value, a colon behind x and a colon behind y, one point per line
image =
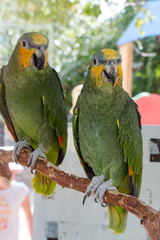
x: 43, y: 184
x: 117, y: 218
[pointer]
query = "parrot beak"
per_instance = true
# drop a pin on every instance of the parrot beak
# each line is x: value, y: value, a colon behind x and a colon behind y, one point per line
x: 110, y: 71
x: 38, y: 58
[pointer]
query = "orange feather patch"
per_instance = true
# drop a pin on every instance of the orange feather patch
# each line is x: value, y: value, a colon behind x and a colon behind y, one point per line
x: 131, y: 173
x: 46, y: 58
x: 60, y: 139
x: 96, y: 74
x: 120, y: 75
x: 25, y: 56
x: 117, y: 123
x: 10, y: 130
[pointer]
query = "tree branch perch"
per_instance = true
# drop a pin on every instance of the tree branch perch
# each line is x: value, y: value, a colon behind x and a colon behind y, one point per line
x: 149, y: 217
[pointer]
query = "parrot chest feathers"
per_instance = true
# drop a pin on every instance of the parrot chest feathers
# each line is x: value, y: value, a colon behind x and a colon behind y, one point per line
x: 25, y: 106
x: 105, y: 107
x: 25, y: 114
x: 98, y: 135
x: 28, y: 80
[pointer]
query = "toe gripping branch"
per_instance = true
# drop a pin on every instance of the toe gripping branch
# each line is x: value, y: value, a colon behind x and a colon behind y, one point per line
x: 93, y: 186
x: 18, y: 147
x: 99, y: 185
x: 34, y: 156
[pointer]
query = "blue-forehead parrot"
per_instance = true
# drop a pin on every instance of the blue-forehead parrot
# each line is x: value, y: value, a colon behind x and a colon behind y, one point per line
x: 33, y: 106
x: 107, y: 134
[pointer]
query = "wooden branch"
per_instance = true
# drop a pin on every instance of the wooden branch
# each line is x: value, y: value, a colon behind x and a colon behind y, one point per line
x: 149, y: 217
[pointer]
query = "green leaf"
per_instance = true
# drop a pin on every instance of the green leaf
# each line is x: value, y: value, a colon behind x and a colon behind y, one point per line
x: 148, y: 19
x: 139, y: 23
x: 142, y: 32
x: 92, y: 10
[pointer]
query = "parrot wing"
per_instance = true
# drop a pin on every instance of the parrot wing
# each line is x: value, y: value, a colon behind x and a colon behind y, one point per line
x: 75, y: 123
x: 53, y: 132
x: 54, y: 107
x: 130, y: 138
x: 4, y: 109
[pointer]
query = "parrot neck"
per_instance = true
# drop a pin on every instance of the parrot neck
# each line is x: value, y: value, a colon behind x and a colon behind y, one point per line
x: 13, y: 62
x: 93, y: 97
x: 106, y: 91
x: 25, y: 78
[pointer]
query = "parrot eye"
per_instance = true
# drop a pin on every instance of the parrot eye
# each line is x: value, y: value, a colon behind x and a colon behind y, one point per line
x: 95, y: 62
x: 24, y: 43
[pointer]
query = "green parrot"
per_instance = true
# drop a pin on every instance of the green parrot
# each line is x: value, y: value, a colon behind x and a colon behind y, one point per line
x: 33, y: 106
x: 107, y: 134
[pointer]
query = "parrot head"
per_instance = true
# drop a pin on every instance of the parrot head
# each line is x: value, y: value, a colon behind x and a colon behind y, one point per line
x: 105, y: 69
x: 31, y: 51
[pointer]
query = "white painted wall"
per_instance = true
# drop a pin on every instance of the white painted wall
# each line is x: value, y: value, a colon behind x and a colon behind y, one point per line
x: 70, y: 220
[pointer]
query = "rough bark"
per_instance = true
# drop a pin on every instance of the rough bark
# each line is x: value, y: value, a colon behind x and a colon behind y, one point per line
x: 149, y: 217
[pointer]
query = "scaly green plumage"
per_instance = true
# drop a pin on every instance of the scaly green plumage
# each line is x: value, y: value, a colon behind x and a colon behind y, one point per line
x: 33, y: 101
x: 106, y: 128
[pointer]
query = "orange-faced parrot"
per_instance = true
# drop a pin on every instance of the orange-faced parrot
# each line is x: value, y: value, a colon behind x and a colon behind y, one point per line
x: 107, y: 134
x: 33, y: 106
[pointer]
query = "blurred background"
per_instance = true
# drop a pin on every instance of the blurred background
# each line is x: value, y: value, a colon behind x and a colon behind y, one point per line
x: 76, y: 29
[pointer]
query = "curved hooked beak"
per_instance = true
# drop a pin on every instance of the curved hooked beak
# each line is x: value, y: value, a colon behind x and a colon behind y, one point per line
x: 110, y: 71
x: 38, y: 58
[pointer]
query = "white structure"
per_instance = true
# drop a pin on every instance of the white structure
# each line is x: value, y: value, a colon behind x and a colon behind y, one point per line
x: 65, y: 218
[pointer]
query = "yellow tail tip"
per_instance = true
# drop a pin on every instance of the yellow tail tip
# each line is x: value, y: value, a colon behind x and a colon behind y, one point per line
x: 117, y: 219
x: 43, y: 184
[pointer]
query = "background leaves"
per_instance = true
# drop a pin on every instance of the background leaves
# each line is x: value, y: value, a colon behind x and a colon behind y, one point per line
x: 75, y: 32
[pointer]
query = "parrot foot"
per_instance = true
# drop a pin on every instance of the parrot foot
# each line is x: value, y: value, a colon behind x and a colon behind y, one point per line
x: 105, y: 186
x: 93, y: 186
x: 18, y: 147
x: 34, y: 156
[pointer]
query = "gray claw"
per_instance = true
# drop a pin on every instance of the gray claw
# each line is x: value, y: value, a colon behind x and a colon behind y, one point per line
x: 34, y: 156
x: 18, y: 147
x: 84, y: 199
x: 104, y: 204
x: 92, y: 187
x: 108, y: 185
x: 88, y: 194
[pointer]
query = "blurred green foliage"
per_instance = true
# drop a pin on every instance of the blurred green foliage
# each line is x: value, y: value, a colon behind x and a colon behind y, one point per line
x: 146, y: 70
x: 75, y: 33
